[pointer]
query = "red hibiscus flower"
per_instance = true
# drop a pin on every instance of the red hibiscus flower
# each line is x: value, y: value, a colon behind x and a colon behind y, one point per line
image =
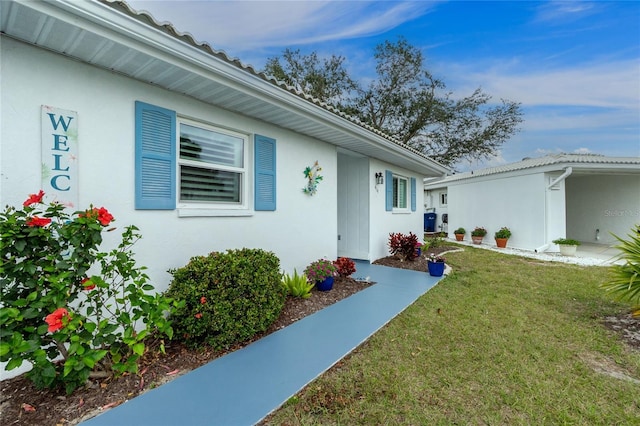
x: 102, y: 215
x: 87, y: 284
x: 57, y: 319
x: 38, y: 221
x: 203, y: 300
x: 34, y: 198
x: 198, y: 315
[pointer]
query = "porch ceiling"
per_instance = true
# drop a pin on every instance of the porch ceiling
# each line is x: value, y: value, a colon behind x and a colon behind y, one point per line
x: 113, y: 37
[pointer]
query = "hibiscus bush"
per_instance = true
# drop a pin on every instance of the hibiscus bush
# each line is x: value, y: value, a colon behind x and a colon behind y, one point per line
x: 69, y: 309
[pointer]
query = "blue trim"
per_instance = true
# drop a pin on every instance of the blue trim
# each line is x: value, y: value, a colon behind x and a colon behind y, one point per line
x: 265, y: 173
x: 413, y: 194
x: 388, y: 190
x: 155, y: 174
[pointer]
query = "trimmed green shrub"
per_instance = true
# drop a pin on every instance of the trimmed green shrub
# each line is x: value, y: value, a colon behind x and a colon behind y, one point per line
x: 228, y: 297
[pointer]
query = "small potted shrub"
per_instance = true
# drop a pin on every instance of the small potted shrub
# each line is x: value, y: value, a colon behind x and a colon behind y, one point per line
x: 478, y: 234
x: 344, y: 266
x: 403, y: 246
x: 435, y: 265
x: 567, y: 246
x: 459, y: 233
x: 501, y: 236
x: 321, y: 272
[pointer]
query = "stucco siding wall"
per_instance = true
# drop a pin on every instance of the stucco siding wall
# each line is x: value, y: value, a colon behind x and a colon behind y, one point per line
x: 384, y: 222
x: 303, y: 228
x: 517, y: 202
x: 609, y: 203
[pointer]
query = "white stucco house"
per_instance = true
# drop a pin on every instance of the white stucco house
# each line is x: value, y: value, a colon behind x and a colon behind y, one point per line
x: 583, y: 197
x: 103, y: 105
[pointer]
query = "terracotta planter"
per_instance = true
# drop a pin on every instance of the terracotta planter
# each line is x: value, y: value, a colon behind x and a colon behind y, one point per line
x: 459, y: 237
x: 501, y: 242
x: 476, y: 240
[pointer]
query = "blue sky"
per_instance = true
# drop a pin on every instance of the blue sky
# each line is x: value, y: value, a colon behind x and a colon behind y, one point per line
x: 574, y: 66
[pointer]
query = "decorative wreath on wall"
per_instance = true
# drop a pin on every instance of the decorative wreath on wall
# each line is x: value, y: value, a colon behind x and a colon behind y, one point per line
x: 313, y: 176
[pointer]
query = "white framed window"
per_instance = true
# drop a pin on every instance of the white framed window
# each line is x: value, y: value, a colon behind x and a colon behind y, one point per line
x: 212, y: 166
x: 443, y: 199
x: 400, y: 193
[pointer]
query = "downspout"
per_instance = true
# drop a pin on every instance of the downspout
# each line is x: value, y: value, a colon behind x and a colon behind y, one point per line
x: 563, y: 176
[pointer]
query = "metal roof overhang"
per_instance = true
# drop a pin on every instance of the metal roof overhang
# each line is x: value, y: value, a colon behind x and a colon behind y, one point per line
x: 115, y: 39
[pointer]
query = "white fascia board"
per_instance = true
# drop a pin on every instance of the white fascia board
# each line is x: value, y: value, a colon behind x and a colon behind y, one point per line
x: 121, y: 28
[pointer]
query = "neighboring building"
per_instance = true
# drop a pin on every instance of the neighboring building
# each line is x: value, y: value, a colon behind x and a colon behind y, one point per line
x: 583, y: 197
x: 103, y: 105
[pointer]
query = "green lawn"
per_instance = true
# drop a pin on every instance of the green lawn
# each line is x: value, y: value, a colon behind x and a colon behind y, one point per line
x: 503, y: 340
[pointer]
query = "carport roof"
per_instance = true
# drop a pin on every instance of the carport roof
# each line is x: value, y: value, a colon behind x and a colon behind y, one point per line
x: 112, y: 36
x: 581, y: 163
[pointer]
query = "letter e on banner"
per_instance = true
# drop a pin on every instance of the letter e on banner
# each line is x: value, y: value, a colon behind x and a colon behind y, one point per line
x: 60, y: 155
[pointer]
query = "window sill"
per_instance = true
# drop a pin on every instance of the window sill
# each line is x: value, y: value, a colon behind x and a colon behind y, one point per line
x: 401, y: 212
x: 208, y: 212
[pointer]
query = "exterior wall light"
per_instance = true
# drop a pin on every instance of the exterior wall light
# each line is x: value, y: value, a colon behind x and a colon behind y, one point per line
x: 379, y: 178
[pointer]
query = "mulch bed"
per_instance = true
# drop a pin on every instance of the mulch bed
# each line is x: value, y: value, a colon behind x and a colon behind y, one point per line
x: 22, y: 404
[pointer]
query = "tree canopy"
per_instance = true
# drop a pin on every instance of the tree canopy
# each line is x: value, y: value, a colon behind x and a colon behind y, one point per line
x: 405, y: 101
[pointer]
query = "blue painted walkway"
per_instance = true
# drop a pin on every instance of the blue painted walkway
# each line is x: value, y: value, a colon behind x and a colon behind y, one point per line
x: 243, y: 387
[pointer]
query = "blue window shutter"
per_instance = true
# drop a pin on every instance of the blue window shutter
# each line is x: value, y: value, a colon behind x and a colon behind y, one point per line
x: 388, y: 190
x: 155, y: 158
x: 413, y: 194
x: 265, y: 173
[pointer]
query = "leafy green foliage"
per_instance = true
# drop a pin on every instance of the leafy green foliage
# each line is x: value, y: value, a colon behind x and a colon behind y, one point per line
x: 433, y: 242
x: 406, y: 101
x: 326, y: 80
x: 228, y: 297
x: 297, y: 285
x: 64, y: 299
x: 503, y: 232
x: 403, y: 246
x: 460, y: 230
x: 566, y: 241
x: 478, y: 231
x: 625, y: 279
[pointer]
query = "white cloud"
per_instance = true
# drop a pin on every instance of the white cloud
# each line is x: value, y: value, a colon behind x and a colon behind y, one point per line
x: 582, y: 151
x: 610, y: 84
x: 247, y: 25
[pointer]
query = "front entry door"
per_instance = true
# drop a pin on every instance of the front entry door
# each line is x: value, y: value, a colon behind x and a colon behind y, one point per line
x: 353, y: 206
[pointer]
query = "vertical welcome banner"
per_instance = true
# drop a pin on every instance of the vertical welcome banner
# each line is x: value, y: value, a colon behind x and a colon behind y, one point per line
x: 60, y: 155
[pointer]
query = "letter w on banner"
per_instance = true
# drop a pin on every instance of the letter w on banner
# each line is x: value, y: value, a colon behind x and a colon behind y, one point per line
x: 60, y: 155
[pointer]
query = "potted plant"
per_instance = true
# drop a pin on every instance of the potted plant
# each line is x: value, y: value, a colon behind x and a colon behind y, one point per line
x: 567, y: 246
x: 321, y: 272
x: 419, y: 246
x: 459, y: 233
x: 435, y: 265
x: 478, y: 234
x: 501, y: 236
